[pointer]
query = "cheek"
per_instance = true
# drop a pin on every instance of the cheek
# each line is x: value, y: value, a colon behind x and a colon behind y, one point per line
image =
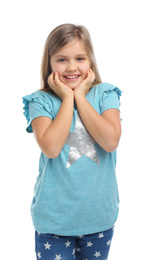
x: 57, y: 68
x: 88, y: 66
x: 84, y: 69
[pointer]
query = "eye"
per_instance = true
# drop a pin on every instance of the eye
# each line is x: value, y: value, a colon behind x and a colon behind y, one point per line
x: 80, y: 58
x: 61, y: 60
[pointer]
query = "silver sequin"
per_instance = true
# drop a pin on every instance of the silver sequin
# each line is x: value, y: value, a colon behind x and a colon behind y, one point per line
x: 81, y: 143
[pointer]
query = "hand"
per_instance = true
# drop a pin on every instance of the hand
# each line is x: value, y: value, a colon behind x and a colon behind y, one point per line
x: 85, y: 85
x: 59, y: 87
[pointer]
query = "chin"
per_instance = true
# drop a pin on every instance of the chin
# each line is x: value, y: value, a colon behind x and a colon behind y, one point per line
x: 72, y: 87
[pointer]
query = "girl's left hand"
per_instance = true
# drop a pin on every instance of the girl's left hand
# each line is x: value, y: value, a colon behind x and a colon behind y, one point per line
x: 85, y: 85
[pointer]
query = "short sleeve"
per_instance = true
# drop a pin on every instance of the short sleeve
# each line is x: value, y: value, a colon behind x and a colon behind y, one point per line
x: 36, y: 105
x: 110, y: 97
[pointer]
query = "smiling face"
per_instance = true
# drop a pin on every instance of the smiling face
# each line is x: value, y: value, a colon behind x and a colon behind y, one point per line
x: 72, y: 63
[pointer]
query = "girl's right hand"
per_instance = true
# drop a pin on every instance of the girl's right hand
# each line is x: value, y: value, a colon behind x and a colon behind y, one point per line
x: 59, y: 87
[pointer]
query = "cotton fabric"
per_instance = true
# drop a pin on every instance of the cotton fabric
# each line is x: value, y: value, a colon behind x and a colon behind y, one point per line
x: 78, y: 196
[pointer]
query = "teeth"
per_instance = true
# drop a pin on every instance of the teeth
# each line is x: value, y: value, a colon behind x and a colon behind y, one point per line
x: 71, y: 77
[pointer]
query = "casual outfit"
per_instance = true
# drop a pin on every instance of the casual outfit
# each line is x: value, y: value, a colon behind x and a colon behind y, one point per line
x: 76, y: 193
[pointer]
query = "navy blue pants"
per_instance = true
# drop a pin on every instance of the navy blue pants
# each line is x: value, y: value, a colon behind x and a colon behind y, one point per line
x: 87, y: 247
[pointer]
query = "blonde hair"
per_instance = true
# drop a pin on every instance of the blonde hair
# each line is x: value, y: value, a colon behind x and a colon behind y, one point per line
x: 57, y: 39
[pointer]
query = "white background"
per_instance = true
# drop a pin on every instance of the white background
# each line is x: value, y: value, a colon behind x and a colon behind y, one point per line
x: 115, y: 28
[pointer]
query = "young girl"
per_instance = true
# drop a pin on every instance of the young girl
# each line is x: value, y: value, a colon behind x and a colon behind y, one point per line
x: 75, y: 119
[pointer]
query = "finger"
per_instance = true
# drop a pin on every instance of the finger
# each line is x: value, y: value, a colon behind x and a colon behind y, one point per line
x: 93, y: 74
x: 88, y: 74
x: 50, y: 79
x: 56, y: 78
x: 87, y: 81
x: 92, y: 78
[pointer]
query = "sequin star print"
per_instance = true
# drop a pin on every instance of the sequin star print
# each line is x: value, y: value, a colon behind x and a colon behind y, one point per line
x: 81, y: 143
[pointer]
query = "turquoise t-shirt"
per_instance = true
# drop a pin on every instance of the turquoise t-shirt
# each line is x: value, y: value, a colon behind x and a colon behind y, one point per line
x: 75, y: 193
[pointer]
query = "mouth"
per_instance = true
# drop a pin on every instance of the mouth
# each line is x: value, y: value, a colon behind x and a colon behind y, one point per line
x: 71, y: 77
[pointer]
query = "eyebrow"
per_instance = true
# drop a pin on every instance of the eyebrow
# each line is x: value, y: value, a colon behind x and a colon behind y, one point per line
x: 81, y: 54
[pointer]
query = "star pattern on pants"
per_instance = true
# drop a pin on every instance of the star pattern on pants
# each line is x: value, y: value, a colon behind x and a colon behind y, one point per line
x: 68, y: 243
x: 85, y: 246
x: 101, y: 235
x: 89, y: 244
x: 39, y: 255
x: 81, y: 143
x: 108, y: 242
x: 58, y: 257
x: 97, y: 254
x: 47, y: 246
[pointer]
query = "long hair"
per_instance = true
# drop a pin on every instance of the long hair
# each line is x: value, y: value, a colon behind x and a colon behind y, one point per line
x: 57, y: 39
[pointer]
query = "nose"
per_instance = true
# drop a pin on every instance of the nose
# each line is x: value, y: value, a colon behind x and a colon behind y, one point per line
x: 71, y: 66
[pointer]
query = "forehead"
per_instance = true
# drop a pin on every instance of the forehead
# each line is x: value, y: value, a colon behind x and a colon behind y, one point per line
x: 73, y: 48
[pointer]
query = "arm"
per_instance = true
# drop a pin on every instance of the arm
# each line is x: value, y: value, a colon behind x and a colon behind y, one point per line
x: 51, y: 136
x: 105, y: 128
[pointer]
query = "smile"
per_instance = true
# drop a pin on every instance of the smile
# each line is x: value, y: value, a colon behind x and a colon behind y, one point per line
x: 71, y: 77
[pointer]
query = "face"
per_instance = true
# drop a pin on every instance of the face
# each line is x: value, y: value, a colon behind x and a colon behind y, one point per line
x: 72, y: 63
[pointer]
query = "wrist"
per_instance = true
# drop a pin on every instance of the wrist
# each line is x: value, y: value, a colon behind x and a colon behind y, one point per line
x: 79, y: 96
x: 68, y: 98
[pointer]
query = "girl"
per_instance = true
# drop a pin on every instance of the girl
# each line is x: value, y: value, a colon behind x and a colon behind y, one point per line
x: 75, y: 119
